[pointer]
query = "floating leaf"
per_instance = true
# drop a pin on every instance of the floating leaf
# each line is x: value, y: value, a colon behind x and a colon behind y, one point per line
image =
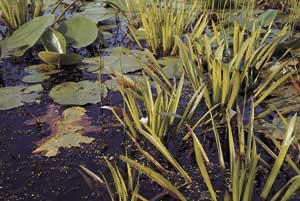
x: 67, y: 130
x: 276, y: 129
x: 39, y: 73
x: 97, y: 13
x: 54, y: 41
x: 172, y: 67
x: 118, y: 60
x: 15, y: 96
x: 78, y: 93
x: 54, y: 58
x: 116, y: 82
x: 79, y: 31
x: 29, y: 33
x: 35, y: 78
x: 267, y: 17
x: 286, y: 99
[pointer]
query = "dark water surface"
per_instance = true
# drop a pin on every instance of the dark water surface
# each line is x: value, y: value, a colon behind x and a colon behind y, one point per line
x: 24, y: 176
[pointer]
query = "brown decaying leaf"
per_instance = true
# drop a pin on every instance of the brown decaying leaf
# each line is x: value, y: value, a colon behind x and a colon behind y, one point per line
x: 67, y: 130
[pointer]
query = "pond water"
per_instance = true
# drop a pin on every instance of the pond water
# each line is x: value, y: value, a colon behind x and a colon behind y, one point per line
x: 27, y: 176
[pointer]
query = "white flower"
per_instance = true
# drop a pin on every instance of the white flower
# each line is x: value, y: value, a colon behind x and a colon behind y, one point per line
x: 144, y: 120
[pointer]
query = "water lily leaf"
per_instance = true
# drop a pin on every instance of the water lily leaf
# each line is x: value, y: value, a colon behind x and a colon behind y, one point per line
x: 276, y: 129
x: 39, y: 73
x: 29, y: 33
x: 79, y: 31
x: 97, y: 13
x: 67, y: 130
x: 78, y: 93
x: 286, y: 99
x: 35, y: 78
x: 42, y: 69
x: 267, y: 17
x: 172, y: 67
x: 118, y: 61
x: 127, y: 81
x: 54, y: 41
x: 16, y: 96
x: 54, y: 58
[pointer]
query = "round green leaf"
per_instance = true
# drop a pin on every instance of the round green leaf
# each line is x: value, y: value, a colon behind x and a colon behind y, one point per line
x: 79, y: 31
x: 77, y: 93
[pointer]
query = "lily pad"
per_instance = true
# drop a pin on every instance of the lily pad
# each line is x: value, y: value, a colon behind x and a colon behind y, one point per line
x: 118, y: 60
x: 172, y: 67
x: 67, y: 130
x: 78, y: 93
x: 39, y: 73
x: 276, y: 129
x: 16, y: 96
x: 97, y: 13
x: 286, y: 99
x: 35, y: 78
x: 127, y: 81
x: 54, y: 58
x: 79, y: 31
x: 29, y: 33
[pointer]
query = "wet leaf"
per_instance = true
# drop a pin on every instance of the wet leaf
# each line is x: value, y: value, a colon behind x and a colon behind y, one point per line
x: 28, y: 34
x: 276, y: 129
x: 78, y: 93
x: 286, y: 99
x: 35, y: 78
x: 54, y: 58
x: 67, y: 130
x: 118, y: 61
x: 54, y: 41
x: 267, y: 17
x: 79, y: 31
x: 172, y: 67
x: 39, y: 73
x: 16, y: 96
x: 97, y: 13
x: 115, y: 82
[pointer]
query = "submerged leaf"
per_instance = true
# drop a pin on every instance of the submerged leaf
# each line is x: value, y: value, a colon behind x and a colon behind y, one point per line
x: 39, y: 73
x: 67, y: 129
x: 78, y: 93
x: 15, y: 96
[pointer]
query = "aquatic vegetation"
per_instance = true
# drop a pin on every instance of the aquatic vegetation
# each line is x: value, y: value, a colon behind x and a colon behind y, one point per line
x: 119, y: 60
x: 75, y: 29
x: 228, y: 70
x: 16, y: 13
x: 205, y: 95
x: 16, y: 96
x: 67, y: 130
x: 39, y: 73
x: 78, y: 93
x: 60, y: 59
x: 28, y: 34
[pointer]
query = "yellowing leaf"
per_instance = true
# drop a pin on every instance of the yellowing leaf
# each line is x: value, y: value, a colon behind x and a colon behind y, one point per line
x: 67, y: 129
